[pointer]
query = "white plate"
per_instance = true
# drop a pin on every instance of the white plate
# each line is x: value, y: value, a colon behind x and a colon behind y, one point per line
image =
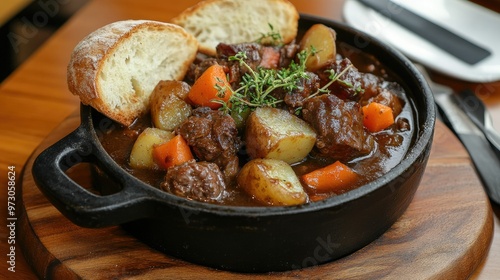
x: 472, y: 22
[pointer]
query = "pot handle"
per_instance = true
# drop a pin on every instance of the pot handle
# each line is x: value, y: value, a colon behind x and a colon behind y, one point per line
x: 75, y: 202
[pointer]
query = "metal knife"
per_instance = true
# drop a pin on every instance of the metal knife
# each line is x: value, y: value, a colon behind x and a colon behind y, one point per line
x: 478, y: 113
x: 441, y: 37
x: 487, y: 165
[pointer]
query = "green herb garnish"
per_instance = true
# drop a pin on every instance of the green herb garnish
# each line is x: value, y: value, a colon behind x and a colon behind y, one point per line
x: 271, y: 38
x: 257, y: 85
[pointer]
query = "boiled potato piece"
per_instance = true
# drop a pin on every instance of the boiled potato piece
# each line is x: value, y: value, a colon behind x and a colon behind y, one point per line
x: 322, y: 39
x: 168, y: 108
x: 277, y: 134
x: 272, y: 182
x: 141, y: 155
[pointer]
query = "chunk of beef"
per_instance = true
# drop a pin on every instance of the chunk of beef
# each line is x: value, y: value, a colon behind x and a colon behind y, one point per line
x: 270, y: 57
x: 256, y: 56
x: 213, y: 137
x: 387, y: 93
x: 202, y: 181
x: 252, y: 51
x: 371, y: 85
x: 308, y: 86
x: 339, y: 127
x: 288, y: 53
x: 196, y: 69
x: 349, y: 85
x: 389, y: 99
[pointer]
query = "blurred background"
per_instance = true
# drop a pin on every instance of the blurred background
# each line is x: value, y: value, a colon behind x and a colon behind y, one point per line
x: 26, y: 24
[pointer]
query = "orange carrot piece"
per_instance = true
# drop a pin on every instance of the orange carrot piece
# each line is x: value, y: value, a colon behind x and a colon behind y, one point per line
x: 174, y: 152
x: 377, y: 117
x: 204, y: 89
x: 336, y: 177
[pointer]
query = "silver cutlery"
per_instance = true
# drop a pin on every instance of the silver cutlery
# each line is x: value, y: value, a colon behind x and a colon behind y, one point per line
x: 451, y: 42
x: 478, y: 113
x: 482, y: 154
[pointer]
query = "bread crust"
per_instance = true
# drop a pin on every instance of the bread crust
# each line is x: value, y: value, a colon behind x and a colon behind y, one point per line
x: 86, y: 64
x: 88, y: 57
x: 241, y: 9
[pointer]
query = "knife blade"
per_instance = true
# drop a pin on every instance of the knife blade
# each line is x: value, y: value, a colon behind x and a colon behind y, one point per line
x: 452, y: 43
x: 478, y: 113
x: 485, y: 162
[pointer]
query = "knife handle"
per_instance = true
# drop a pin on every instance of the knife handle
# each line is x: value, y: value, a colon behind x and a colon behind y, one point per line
x: 478, y: 113
x: 486, y: 164
x: 448, y: 41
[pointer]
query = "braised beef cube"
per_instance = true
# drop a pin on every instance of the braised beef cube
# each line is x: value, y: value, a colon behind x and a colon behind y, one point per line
x: 235, y: 71
x: 256, y: 55
x: 307, y: 87
x: 270, y: 57
x: 210, y: 133
x: 381, y: 91
x: 250, y: 49
x: 339, y: 127
x: 370, y: 84
x: 213, y: 137
x: 348, y: 85
x: 288, y: 53
x: 196, y: 69
x: 202, y: 181
x: 196, y: 130
x: 388, y: 96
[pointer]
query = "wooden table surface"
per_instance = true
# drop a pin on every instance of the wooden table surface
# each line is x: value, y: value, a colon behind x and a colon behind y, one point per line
x: 35, y: 99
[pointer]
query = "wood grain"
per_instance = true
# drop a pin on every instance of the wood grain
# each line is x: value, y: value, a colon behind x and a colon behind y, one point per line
x: 34, y: 100
x: 444, y: 234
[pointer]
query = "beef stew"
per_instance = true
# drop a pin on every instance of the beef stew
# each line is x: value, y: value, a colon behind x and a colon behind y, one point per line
x: 331, y: 107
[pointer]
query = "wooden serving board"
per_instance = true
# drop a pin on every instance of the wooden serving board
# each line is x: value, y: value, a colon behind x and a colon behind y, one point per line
x: 444, y: 234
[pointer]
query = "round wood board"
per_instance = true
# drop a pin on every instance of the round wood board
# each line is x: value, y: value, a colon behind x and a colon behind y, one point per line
x: 445, y: 233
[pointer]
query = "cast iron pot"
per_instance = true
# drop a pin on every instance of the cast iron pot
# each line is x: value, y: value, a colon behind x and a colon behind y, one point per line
x: 246, y: 239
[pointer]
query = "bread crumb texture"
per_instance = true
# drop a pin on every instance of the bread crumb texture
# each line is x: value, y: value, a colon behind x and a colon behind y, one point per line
x: 116, y: 67
x: 238, y: 21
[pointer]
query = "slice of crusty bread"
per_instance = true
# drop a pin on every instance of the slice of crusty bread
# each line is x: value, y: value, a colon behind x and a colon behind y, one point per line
x: 115, y: 68
x: 238, y: 21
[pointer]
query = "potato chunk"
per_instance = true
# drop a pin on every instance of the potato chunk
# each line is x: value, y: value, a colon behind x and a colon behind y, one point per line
x: 141, y: 155
x: 272, y: 182
x: 168, y: 108
x: 322, y: 39
x: 277, y: 134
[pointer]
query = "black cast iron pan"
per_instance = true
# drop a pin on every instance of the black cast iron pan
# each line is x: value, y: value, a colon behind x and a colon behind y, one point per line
x: 247, y: 239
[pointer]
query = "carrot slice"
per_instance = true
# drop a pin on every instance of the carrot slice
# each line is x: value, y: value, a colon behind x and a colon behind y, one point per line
x: 336, y: 177
x: 377, y: 117
x: 174, y: 152
x: 206, y: 88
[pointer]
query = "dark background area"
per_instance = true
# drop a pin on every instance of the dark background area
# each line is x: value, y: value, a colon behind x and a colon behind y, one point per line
x: 26, y: 31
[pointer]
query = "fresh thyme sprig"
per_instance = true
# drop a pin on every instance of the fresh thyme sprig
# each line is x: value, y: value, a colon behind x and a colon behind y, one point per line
x: 333, y: 77
x: 257, y: 85
x: 271, y: 38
